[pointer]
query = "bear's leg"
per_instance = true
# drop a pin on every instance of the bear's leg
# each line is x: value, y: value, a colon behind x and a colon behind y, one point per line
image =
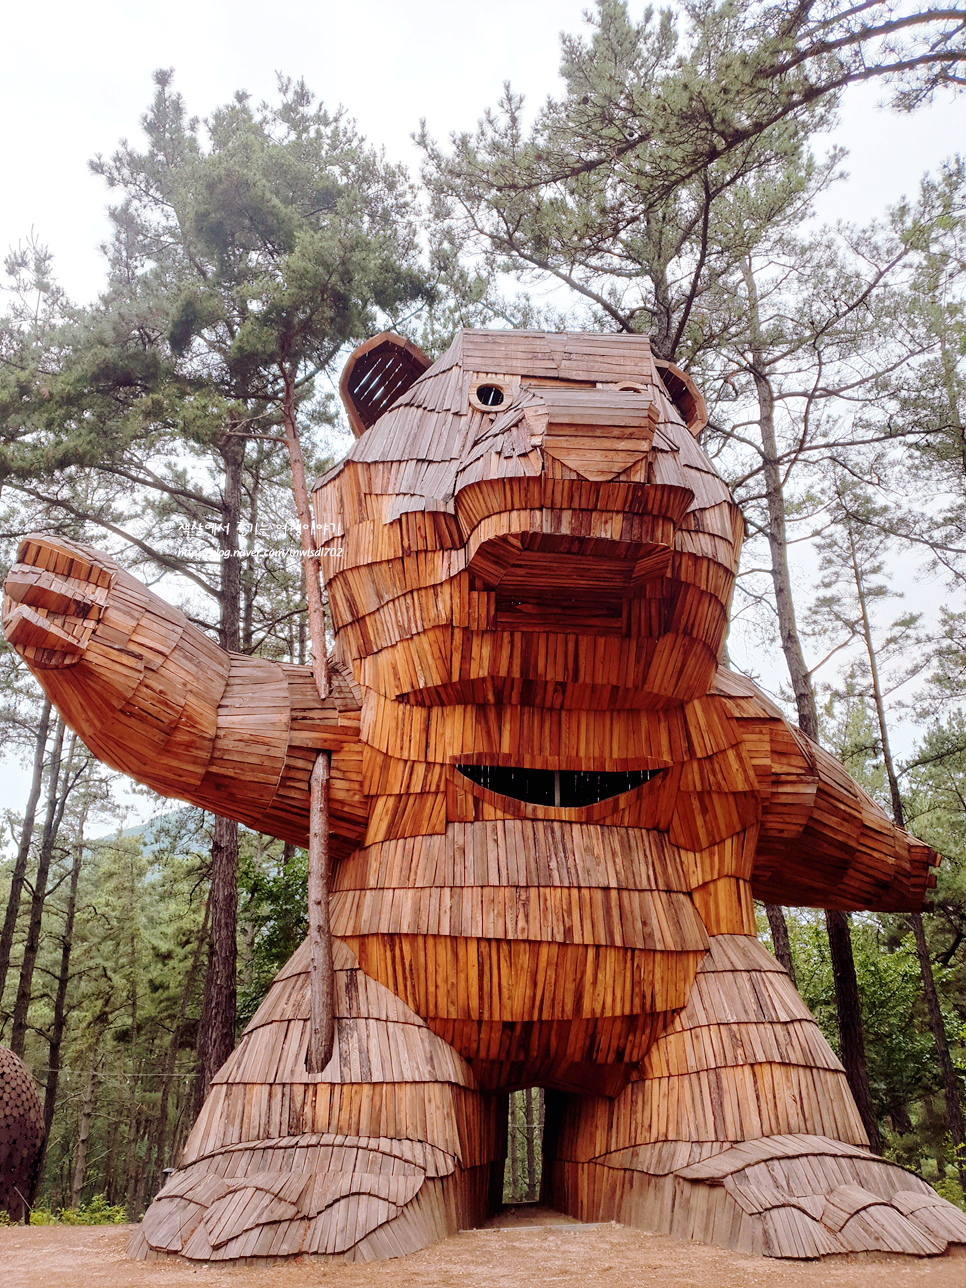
x: 389, y: 1149
x: 741, y: 1131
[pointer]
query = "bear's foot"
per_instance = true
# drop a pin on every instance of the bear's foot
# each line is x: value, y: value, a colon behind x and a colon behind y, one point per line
x: 798, y: 1197
x: 318, y: 1195
x: 807, y: 1196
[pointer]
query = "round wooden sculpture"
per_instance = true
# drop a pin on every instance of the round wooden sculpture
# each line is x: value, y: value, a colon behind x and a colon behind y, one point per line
x: 551, y: 810
x: 21, y: 1136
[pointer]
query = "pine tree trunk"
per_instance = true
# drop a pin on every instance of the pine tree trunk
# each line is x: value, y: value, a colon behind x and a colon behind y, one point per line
x: 60, y: 1008
x: 848, y: 1012
x: 779, y: 938
x: 110, y: 1175
x: 23, y: 849
x: 87, y: 1113
x: 541, y: 1135
x: 56, y: 799
x: 530, y: 1098
x: 132, y: 1164
x: 322, y: 974
x: 134, y: 1080
x: 171, y: 1058
x: 216, y: 1030
x: 514, y: 1146
x: 322, y: 977
x: 232, y: 451
x: 954, y: 1106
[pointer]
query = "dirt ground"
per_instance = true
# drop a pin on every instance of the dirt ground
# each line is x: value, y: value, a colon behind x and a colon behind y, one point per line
x: 529, y: 1248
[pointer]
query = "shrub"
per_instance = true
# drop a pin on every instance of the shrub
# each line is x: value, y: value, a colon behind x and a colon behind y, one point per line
x: 95, y: 1212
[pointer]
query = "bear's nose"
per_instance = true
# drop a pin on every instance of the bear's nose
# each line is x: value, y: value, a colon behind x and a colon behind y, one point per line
x: 598, y: 433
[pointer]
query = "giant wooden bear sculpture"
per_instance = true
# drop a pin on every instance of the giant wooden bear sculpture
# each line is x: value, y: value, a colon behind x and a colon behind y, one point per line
x: 551, y: 811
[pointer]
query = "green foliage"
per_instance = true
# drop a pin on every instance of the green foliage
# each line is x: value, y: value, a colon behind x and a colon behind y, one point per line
x: 273, y: 914
x: 97, y: 1211
x: 247, y: 252
x: 132, y: 1005
x: 631, y: 190
x: 269, y: 237
x: 678, y: 146
x: 949, y: 1188
x: 523, y: 1169
x: 901, y: 1058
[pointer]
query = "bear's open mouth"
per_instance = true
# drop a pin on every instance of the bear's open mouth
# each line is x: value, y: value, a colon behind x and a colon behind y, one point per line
x: 558, y: 788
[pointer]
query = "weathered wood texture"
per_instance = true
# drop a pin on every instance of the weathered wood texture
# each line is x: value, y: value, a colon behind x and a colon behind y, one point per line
x: 153, y: 696
x: 21, y: 1135
x: 551, y: 810
x: 390, y: 1147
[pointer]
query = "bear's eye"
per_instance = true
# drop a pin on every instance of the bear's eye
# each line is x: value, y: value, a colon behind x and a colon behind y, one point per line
x: 490, y: 395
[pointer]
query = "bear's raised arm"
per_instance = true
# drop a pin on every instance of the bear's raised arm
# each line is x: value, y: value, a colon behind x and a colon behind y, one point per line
x: 823, y: 842
x: 154, y: 697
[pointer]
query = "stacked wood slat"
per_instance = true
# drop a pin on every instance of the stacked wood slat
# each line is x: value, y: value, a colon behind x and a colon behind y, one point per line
x: 823, y: 841
x: 153, y: 696
x: 390, y: 1145
x: 21, y: 1135
x: 740, y: 1131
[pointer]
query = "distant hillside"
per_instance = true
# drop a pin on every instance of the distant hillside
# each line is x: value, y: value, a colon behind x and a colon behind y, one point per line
x: 183, y: 826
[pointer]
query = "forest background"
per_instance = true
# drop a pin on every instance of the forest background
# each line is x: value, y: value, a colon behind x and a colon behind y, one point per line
x: 669, y: 186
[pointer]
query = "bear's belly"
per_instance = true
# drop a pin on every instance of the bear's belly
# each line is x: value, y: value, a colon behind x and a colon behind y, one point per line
x: 540, y: 951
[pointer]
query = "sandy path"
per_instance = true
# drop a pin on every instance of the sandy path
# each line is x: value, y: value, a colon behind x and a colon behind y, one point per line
x: 521, y: 1254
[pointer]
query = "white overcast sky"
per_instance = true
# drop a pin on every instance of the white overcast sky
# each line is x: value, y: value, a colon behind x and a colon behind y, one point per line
x: 76, y: 77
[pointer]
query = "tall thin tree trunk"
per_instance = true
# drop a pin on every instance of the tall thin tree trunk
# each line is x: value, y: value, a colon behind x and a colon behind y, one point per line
x: 23, y: 849
x: 171, y: 1057
x: 849, y: 1011
x: 56, y: 799
x: 133, y: 1170
x: 322, y: 975
x: 232, y: 450
x: 779, y: 938
x: 322, y: 981
x: 216, y: 1030
x: 60, y: 1004
x: 531, y: 1096
x: 514, y: 1135
x: 131, y: 1167
x: 83, y: 1135
x: 840, y: 940
x: 777, y: 526
x: 954, y: 1105
x: 110, y: 1169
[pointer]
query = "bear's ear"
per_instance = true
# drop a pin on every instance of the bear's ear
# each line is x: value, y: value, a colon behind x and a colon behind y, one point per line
x: 684, y: 395
x: 379, y: 372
